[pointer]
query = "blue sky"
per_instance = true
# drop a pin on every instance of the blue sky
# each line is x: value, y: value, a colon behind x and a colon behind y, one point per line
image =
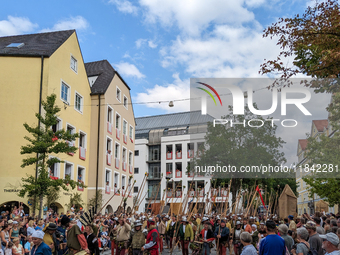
x: 158, y: 45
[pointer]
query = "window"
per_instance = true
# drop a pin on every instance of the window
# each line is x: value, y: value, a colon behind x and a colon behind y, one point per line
x: 136, y: 170
x: 124, y: 127
x: 135, y: 189
x: 131, y: 132
x: 74, y: 64
x: 109, y: 114
x: 130, y: 158
x: 108, y: 178
x: 124, y: 155
x: 57, y: 126
x: 82, y: 140
x: 117, y: 150
x: 78, y: 103
x: 123, y: 182
x: 152, y: 190
x: 68, y: 170
x: 136, y: 152
x: 108, y: 145
x: 125, y: 102
x: 54, y: 170
x: 70, y: 129
x: 81, y: 174
x: 118, y: 94
x: 154, y: 153
x: 116, y: 181
x: 117, y: 121
x: 154, y: 171
x: 65, y: 93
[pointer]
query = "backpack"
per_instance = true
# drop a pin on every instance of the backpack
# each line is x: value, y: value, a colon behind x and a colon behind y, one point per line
x: 311, y: 252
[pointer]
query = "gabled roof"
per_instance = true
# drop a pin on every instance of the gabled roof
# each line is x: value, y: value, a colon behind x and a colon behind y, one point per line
x: 320, y: 124
x: 303, y: 144
x: 35, y: 45
x: 181, y: 119
x: 105, y: 73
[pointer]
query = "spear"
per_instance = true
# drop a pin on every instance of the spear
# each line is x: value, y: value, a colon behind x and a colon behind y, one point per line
x: 109, y: 200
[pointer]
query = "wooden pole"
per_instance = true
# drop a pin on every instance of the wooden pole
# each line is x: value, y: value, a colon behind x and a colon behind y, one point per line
x: 114, y: 193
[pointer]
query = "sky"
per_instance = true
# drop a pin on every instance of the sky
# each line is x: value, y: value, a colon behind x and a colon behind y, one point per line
x: 158, y: 45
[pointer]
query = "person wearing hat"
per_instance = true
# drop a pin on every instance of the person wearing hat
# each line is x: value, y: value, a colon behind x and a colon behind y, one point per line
x: 207, y: 236
x: 186, y: 235
x: 123, y: 236
x: 330, y: 244
x: 254, y: 235
x: 152, y: 238
x: 236, y: 238
x: 292, y: 224
x: 137, y: 238
x: 222, y: 234
x: 75, y: 239
x: 50, y: 237
x: 39, y: 247
x: 272, y: 243
x: 314, y: 240
x: 289, y: 242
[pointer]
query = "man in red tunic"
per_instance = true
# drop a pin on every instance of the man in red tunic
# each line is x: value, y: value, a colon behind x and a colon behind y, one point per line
x: 152, y: 238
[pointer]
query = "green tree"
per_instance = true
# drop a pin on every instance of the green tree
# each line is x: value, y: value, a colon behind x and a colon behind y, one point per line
x: 44, y: 143
x: 313, y: 39
x: 52, y: 196
x: 240, y: 145
x: 76, y: 200
x: 322, y: 152
x: 92, y: 201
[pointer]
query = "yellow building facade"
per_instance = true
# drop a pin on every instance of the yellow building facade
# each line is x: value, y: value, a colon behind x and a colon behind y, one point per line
x: 33, y: 66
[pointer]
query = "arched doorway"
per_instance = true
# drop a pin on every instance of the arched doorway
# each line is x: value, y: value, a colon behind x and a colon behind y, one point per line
x: 56, y: 207
x: 9, y: 206
x: 108, y: 209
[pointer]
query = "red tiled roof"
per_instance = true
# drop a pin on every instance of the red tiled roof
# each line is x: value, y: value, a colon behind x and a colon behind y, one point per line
x: 320, y: 124
x: 303, y: 143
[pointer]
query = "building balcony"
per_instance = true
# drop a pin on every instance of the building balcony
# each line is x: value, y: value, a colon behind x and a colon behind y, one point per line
x: 154, y: 175
x: 107, y: 189
x: 82, y: 153
x: 169, y: 175
x: 80, y: 188
x: 71, y: 144
x: 178, y: 155
x: 109, y: 128
x: 169, y: 194
x: 192, y: 193
x: 178, y: 194
x: 116, y: 191
x: 124, y: 165
x: 125, y: 138
x: 130, y: 169
x: 117, y: 133
x: 178, y: 174
x: 109, y: 159
x: 169, y: 155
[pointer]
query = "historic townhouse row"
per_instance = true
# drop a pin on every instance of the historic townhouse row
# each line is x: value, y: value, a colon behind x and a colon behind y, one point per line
x: 95, y: 102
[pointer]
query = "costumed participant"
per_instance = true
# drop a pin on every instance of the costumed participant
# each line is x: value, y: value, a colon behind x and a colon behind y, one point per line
x: 76, y: 241
x: 207, y: 236
x: 186, y: 235
x: 161, y: 230
x: 113, y: 234
x: 50, y: 237
x: 92, y: 240
x: 123, y: 236
x: 254, y: 235
x: 152, y: 238
x: 236, y: 238
x: 222, y: 237
x: 138, y: 238
x: 172, y: 228
x: 39, y: 247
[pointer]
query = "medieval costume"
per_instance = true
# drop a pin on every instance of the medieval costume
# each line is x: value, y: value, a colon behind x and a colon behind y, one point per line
x: 222, y: 237
x: 152, y: 238
x: 137, y: 238
x: 123, y: 236
x: 185, y: 235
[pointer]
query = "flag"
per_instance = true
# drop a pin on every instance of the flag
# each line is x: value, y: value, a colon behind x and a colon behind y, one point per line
x: 259, y: 191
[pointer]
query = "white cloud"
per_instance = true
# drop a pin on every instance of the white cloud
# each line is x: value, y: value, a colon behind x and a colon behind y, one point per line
x: 16, y: 26
x: 193, y: 17
x: 127, y: 69
x: 227, y: 52
x: 168, y: 92
x: 140, y: 42
x: 125, y: 6
x: 78, y: 23
x: 152, y: 44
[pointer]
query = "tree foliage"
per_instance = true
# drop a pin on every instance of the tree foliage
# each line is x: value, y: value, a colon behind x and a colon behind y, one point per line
x: 92, y: 201
x: 241, y: 145
x: 52, y: 196
x: 76, y: 200
x: 313, y: 40
x: 44, y: 143
x: 325, y: 151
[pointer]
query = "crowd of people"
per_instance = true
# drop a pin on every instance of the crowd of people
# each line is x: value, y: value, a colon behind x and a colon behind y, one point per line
x: 147, y: 233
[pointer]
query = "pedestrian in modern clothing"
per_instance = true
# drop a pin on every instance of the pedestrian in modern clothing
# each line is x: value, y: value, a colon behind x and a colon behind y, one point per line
x: 40, y: 248
x: 289, y: 242
x: 302, y: 248
x: 248, y: 248
x: 272, y: 243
